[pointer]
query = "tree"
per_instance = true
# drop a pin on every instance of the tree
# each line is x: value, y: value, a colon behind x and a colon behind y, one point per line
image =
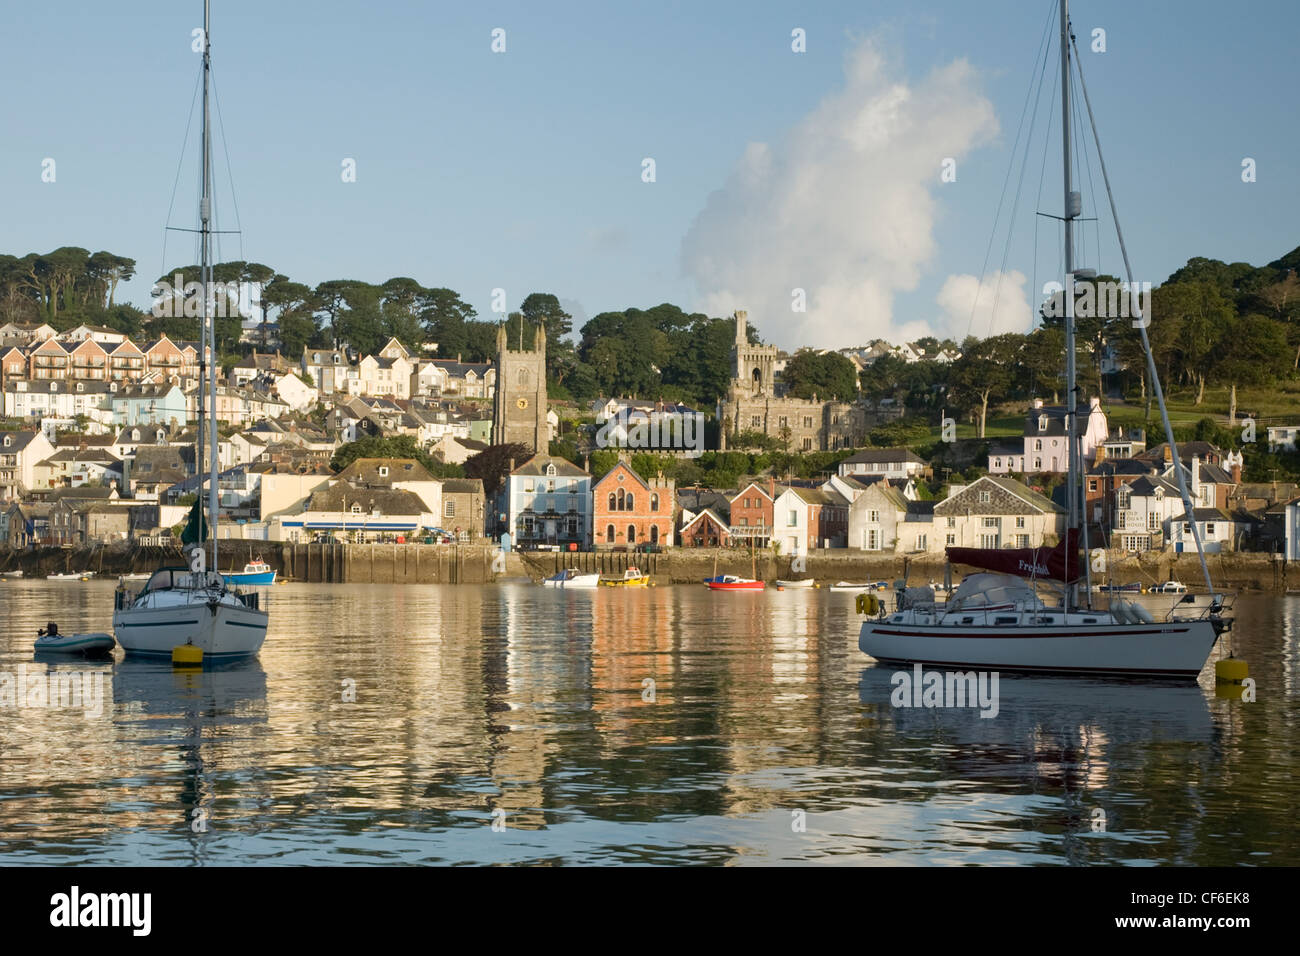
x: 984, y: 370
x: 399, y: 446
x: 826, y: 375
x: 492, y: 465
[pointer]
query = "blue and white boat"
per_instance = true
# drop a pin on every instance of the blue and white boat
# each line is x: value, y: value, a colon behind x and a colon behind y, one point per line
x: 255, y: 574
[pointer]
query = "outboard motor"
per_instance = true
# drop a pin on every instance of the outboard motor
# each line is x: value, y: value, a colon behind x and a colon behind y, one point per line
x: 49, y: 630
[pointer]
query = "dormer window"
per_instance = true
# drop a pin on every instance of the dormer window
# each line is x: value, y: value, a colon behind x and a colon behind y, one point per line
x: 1042, y: 423
x: 54, y: 386
x: 383, y: 471
x: 550, y: 469
x: 356, y: 509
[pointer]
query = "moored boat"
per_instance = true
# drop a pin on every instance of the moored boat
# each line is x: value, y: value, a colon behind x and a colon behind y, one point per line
x: 998, y: 620
x: 850, y: 586
x: 631, y: 578
x: 732, y: 582
x: 802, y: 583
x: 71, y: 576
x: 571, y: 578
x: 50, y: 641
x: 256, y: 573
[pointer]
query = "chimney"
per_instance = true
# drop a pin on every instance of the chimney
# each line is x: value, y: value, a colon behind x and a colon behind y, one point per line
x: 771, y: 487
x: 1038, y: 403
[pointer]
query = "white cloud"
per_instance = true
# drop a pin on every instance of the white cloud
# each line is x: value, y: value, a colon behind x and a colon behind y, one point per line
x: 844, y: 207
x: 1001, y: 306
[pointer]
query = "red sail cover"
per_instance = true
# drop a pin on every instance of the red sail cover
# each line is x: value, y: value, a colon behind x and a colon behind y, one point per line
x: 1054, y: 563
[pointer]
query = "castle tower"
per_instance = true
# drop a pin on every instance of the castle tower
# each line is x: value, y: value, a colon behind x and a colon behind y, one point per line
x: 753, y: 367
x: 519, y: 407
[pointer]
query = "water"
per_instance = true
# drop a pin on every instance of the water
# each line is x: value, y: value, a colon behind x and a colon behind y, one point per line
x: 769, y: 739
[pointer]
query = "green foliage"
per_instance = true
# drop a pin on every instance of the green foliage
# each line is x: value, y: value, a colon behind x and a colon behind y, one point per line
x: 492, y: 465
x: 400, y: 446
x: 824, y: 375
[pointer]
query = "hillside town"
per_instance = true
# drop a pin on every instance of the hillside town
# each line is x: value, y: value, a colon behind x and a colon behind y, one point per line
x: 99, y: 447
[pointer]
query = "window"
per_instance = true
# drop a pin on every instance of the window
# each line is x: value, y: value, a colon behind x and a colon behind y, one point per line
x: 631, y: 534
x: 873, y: 516
x: 952, y: 539
x: 922, y: 543
x: 654, y: 502
x: 744, y: 522
x: 989, y: 541
x: 383, y: 471
x: 631, y: 502
x: 1038, y: 444
x: 1209, y: 529
x: 613, y: 502
x: 990, y: 522
x: 756, y: 422
x: 794, y: 517
x: 609, y: 534
x: 985, y: 497
x: 997, y: 464
x: 1038, y: 464
x: 356, y: 509
x: 1153, y: 521
x: 1042, y: 426
x: 952, y: 523
x: 1022, y: 541
x: 449, y: 508
x: 807, y: 421
x: 784, y: 421
x: 1092, y: 484
x: 1020, y: 522
x: 550, y: 470
x: 807, y: 444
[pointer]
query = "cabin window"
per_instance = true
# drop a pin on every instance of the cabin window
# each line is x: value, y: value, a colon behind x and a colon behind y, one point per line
x: 1004, y: 620
x: 1089, y: 620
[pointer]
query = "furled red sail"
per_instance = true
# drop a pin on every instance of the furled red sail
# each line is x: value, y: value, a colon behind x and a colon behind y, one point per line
x: 1054, y: 563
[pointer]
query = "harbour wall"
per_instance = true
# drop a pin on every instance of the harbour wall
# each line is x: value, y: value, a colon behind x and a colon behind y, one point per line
x: 482, y: 563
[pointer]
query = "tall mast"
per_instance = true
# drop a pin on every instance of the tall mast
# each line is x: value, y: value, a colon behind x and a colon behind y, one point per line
x: 207, y: 344
x: 1072, y: 208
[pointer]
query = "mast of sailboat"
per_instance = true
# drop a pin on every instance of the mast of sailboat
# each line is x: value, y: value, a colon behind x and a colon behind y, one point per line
x: 1073, y: 207
x: 207, y: 343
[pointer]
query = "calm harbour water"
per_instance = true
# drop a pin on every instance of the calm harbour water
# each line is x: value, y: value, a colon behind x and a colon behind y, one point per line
x: 473, y: 701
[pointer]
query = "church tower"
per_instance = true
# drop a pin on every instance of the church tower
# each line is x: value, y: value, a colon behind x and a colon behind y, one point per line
x: 519, y: 409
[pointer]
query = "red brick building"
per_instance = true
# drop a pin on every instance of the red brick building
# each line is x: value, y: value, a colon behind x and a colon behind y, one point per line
x: 751, y: 513
x: 705, y: 530
x: 628, y: 511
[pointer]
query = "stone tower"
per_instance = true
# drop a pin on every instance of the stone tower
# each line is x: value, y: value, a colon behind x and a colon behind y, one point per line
x: 519, y: 409
x: 753, y: 366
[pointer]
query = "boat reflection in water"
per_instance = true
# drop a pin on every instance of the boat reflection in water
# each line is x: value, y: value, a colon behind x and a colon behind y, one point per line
x: 201, y: 719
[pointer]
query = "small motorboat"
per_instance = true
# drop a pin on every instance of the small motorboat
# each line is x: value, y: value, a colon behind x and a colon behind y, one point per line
x: 255, y: 574
x: 632, y: 578
x: 571, y: 578
x: 732, y: 582
x: 10, y: 575
x: 1169, y: 587
x: 136, y: 576
x: 1133, y: 587
x: 74, y: 576
x: 49, y: 640
x: 804, y: 583
x: 850, y: 586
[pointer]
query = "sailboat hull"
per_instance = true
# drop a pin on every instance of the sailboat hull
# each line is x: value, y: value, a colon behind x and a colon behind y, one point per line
x: 226, y: 631
x: 1177, y: 649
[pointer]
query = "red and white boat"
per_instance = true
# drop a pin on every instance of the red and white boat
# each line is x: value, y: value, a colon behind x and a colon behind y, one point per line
x: 998, y: 621
x: 730, y: 582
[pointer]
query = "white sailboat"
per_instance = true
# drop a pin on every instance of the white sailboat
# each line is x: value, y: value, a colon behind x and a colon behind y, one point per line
x: 192, y: 605
x: 998, y: 621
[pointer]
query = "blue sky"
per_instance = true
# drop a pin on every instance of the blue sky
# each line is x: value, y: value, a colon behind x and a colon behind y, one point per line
x: 522, y: 170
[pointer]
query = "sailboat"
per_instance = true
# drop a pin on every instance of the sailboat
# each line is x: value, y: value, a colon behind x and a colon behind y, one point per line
x: 191, y: 605
x: 995, y: 619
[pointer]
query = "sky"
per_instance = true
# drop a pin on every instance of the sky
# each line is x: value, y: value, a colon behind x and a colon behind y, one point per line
x: 781, y: 178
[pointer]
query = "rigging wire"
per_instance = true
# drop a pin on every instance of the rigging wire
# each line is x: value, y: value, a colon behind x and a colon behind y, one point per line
x: 1015, y: 206
x: 1042, y: 46
x: 171, y: 205
x: 1146, y: 346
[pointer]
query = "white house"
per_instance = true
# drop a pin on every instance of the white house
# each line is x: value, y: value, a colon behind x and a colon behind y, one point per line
x: 1282, y: 437
x: 19, y: 454
x: 883, y: 463
x: 1045, y: 446
x: 1215, y: 526
x: 548, y: 502
x: 296, y: 393
x: 996, y: 512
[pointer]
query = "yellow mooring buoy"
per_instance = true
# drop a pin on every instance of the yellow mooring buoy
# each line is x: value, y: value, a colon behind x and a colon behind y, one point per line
x: 187, y: 655
x: 1231, y: 670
